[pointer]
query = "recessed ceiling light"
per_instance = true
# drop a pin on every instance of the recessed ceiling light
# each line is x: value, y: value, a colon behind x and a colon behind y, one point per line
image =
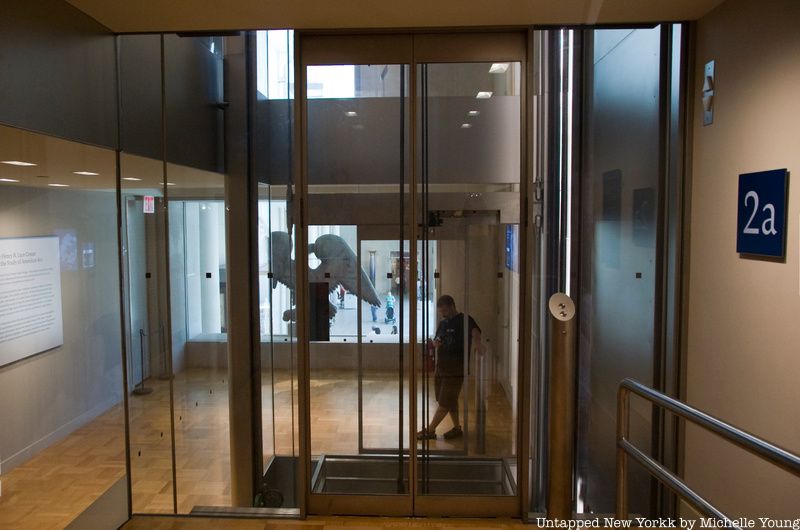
x: 484, y: 95
x: 18, y: 163
x: 351, y: 114
x: 87, y: 173
x: 473, y: 113
x: 171, y: 184
x: 54, y: 185
x: 498, y: 68
x: 134, y: 179
x: 9, y: 180
x: 466, y: 125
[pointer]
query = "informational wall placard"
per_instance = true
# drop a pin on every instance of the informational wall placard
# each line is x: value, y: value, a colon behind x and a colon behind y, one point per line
x: 761, y: 223
x: 30, y: 297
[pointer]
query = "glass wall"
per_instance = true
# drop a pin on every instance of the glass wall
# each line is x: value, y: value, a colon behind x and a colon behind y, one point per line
x: 61, y: 399
x: 174, y: 167
x: 618, y: 277
x: 280, y: 420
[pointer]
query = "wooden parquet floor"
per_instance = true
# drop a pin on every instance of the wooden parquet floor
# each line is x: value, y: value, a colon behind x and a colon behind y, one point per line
x: 318, y: 523
x: 59, y: 483
x: 55, y: 486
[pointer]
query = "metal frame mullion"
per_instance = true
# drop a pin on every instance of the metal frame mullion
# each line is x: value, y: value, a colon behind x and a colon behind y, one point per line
x: 412, y: 328
x: 301, y: 278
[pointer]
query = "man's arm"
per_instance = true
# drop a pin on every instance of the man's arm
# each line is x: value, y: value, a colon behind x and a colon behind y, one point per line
x: 477, y: 345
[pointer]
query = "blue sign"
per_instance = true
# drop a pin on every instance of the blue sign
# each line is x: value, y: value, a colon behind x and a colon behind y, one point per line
x: 761, y: 228
x: 512, y: 247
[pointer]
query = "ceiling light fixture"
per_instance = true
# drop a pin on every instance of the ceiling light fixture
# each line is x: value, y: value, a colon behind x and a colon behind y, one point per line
x: 473, y: 113
x: 466, y: 125
x: 9, y: 180
x: 171, y: 184
x: 351, y: 114
x: 498, y: 68
x: 54, y: 185
x: 484, y: 95
x: 86, y: 173
x: 18, y: 163
x: 133, y: 179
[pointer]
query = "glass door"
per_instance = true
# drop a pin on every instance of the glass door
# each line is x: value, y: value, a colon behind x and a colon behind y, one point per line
x: 354, y: 257
x: 411, y: 353
x: 469, y: 167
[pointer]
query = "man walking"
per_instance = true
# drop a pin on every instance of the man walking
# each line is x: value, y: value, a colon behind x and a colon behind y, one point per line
x: 449, y: 374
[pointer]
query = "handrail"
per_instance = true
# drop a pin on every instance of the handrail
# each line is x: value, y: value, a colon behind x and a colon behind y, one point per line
x: 770, y: 452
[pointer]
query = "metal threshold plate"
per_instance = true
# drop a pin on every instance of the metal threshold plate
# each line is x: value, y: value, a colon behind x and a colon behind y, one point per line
x: 381, y: 475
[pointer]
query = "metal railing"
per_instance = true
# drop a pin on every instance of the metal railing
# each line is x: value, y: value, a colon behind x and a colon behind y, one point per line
x: 625, y: 449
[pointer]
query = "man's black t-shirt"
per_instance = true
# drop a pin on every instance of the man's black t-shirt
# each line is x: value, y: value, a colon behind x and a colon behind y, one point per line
x: 450, y: 356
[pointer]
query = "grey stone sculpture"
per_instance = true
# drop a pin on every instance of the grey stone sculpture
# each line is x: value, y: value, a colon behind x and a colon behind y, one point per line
x: 339, y: 267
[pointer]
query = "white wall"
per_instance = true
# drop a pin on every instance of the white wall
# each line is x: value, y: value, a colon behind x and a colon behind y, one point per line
x: 45, y: 397
x: 743, y: 343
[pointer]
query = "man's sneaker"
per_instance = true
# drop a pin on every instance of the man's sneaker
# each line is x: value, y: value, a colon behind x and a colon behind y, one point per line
x: 454, y: 433
x: 425, y: 434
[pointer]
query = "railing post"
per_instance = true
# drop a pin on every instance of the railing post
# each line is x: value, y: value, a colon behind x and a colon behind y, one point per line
x: 623, y: 432
x: 561, y: 439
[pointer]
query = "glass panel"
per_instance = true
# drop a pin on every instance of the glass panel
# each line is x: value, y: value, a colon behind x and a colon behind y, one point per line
x: 357, y: 149
x: 143, y: 213
x: 469, y: 169
x: 380, y: 327
x: 200, y: 147
x: 619, y: 197
x: 62, y: 430
x: 149, y: 367
x: 175, y: 257
x: 276, y: 236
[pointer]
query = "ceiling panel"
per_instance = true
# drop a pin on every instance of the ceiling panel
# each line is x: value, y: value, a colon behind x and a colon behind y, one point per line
x: 195, y: 15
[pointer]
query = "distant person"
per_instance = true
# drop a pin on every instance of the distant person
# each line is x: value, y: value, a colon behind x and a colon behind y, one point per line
x: 389, y: 308
x: 449, y: 373
x: 341, y: 296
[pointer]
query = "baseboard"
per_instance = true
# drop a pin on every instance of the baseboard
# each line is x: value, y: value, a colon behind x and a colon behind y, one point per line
x: 22, y: 456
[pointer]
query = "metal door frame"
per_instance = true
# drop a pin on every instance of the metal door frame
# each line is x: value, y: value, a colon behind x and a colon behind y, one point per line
x: 412, y: 48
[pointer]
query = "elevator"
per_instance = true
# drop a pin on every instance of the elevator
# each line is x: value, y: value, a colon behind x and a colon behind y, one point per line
x: 342, y: 287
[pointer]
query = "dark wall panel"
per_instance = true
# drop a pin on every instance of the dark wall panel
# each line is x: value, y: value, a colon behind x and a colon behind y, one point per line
x: 194, y: 89
x: 140, y: 94
x: 58, y: 71
x: 194, y: 99
x: 273, y: 154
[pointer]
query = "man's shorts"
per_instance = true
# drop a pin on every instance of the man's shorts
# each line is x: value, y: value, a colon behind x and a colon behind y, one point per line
x: 447, y: 389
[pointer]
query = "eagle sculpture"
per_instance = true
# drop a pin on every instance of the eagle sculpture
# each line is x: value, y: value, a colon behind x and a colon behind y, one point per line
x: 339, y: 266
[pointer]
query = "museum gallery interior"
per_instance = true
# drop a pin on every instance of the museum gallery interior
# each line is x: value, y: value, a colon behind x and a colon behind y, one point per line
x: 267, y: 265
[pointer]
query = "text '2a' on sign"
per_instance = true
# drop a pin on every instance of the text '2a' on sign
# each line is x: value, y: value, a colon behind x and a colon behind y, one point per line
x: 761, y: 225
